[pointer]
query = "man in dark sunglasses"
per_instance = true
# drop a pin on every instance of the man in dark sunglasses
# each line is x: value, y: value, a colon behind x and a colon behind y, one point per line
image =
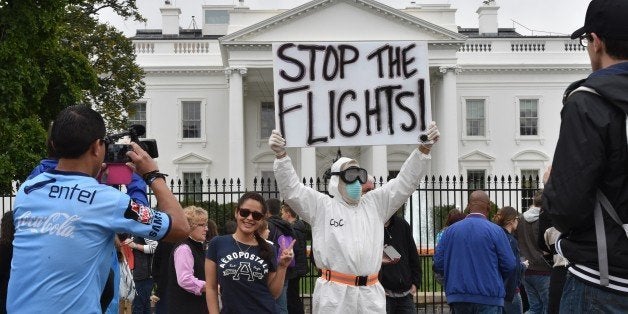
x: 347, y: 228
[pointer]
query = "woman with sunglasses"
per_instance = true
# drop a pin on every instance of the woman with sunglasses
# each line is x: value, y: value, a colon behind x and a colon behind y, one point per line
x: 349, y: 227
x: 244, y: 265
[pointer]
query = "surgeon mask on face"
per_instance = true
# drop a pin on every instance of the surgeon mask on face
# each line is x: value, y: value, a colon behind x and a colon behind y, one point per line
x: 354, y: 190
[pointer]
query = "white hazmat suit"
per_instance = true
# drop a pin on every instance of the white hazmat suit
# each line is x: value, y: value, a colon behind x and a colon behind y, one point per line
x: 348, y: 238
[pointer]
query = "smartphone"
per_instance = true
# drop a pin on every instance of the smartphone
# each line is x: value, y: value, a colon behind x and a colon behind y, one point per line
x: 390, y: 251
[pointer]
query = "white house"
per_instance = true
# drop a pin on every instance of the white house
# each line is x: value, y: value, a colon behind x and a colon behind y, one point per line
x: 495, y: 94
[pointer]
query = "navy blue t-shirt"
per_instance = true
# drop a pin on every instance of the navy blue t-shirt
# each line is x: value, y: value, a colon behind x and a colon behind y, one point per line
x: 242, y: 276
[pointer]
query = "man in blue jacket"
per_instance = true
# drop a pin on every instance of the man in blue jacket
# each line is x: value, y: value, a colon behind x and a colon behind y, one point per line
x: 474, y: 257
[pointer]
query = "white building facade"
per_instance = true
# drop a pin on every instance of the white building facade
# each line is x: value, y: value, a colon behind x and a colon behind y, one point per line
x: 496, y: 95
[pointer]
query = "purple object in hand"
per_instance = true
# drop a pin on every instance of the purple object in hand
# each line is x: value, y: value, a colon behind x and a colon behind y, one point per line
x: 284, y: 242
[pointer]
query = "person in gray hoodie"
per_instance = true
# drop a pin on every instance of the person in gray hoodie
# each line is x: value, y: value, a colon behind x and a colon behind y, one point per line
x: 537, y: 275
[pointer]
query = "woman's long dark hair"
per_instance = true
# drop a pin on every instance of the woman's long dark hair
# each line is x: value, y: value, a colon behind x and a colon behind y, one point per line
x: 7, y: 228
x: 265, y: 251
x: 505, y: 215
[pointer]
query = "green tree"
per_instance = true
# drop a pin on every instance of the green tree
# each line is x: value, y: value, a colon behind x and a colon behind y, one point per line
x: 53, y: 54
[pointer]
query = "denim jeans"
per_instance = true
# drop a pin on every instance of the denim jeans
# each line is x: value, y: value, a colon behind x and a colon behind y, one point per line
x: 474, y: 308
x: 282, y: 301
x: 537, y: 289
x: 582, y: 298
x: 515, y: 306
x: 141, y: 302
x: 402, y: 305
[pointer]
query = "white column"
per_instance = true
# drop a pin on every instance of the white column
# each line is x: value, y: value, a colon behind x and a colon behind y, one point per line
x: 375, y: 160
x: 308, y: 163
x: 236, y: 123
x: 445, y: 156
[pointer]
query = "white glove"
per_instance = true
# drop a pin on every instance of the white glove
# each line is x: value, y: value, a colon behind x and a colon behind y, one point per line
x: 277, y: 143
x: 433, y: 135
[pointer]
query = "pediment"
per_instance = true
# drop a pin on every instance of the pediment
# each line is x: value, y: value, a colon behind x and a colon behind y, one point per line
x: 342, y: 20
x: 476, y: 155
x: 266, y: 157
x: 398, y: 156
x: 530, y: 155
x: 191, y: 158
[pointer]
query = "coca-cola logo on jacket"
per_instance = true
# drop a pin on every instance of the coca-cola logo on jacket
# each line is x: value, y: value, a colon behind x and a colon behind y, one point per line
x: 59, y: 224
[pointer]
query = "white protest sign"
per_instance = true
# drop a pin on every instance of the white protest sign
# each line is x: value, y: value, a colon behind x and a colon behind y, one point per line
x: 351, y: 93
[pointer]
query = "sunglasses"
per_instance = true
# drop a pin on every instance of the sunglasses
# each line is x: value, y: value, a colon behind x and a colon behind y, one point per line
x: 244, y: 213
x: 352, y: 174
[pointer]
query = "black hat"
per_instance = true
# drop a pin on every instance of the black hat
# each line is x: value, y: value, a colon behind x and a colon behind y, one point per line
x: 606, y: 18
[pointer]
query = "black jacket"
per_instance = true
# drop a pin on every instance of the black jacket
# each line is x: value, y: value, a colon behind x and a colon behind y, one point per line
x: 159, y: 271
x: 300, y: 248
x: 143, y: 262
x: 179, y: 300
x: 401, y: 276
x: 591, y: 154
x: 277, y: 228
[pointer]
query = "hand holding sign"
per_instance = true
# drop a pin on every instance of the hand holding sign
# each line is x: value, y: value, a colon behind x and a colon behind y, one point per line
x: 277, y: 144
x: 432, y: 137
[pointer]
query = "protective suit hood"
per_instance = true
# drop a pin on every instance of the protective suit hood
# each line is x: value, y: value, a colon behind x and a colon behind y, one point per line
x: 336, y: 187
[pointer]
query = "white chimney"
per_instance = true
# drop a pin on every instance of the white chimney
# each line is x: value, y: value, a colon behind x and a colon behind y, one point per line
x: 487, y: 15
x: 169, y: 19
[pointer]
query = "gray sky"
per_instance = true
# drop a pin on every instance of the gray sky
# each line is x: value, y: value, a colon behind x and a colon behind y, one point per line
x: 556, y: 16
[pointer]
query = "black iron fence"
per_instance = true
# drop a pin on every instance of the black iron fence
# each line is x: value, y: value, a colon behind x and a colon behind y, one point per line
x: 425, y: 210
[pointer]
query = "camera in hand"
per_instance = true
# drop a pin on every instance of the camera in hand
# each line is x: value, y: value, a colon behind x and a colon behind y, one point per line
x: 116, y: 153
x: 117, y: 172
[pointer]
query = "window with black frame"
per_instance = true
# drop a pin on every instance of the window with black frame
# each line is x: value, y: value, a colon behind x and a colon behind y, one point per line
x: 137, y: 115
x: 529, y: 184
x: 192, y: 186
x: 476, y: 179
x: 191, y: 119
x: 528, y: 117
x: 475, y: 117
x: 267, y: 119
